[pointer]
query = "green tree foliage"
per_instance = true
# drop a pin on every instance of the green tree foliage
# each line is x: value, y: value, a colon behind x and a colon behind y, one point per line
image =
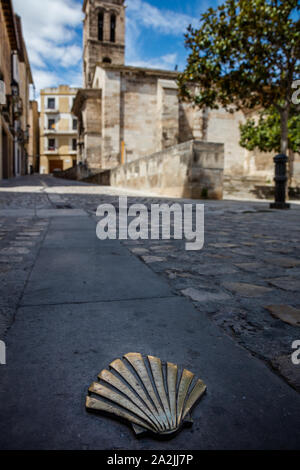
x: 245, y: 54
x: 265, y: 134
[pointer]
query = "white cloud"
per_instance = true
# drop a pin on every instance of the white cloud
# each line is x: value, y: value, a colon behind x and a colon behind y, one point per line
x: 162, y: 20
x: 45, y: 78
x: 49, y: 28
x: 49, y: 19
x: 167, y: 61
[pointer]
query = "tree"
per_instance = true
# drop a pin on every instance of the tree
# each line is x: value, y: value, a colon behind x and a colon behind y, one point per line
x: 245, y: 55
x: 265, y: 134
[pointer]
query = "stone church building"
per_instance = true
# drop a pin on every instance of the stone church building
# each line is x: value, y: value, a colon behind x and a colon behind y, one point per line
x: 128, y: 113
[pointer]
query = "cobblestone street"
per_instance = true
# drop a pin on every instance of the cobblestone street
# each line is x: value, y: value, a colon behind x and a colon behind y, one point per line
x: 245, y: 281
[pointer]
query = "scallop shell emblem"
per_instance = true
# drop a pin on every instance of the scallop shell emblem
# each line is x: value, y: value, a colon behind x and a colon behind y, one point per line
x: 152, y: 396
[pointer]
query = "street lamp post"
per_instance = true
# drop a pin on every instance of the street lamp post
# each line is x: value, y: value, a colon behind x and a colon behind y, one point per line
x: 280, y: 183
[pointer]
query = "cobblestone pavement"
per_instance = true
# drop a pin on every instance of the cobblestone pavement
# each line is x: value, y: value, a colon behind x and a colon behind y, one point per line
x: 246, y: 278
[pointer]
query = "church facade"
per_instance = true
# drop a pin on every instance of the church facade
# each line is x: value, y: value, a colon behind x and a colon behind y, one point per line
x: 126, y: 113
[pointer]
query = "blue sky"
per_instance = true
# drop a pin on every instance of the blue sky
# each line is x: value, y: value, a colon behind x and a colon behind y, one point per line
x: 154, y: 35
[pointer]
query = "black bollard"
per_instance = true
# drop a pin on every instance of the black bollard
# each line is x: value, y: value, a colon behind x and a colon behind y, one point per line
x: 280, y: 183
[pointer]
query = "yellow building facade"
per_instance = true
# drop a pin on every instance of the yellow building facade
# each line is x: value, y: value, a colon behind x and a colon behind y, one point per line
x: 58, y: 130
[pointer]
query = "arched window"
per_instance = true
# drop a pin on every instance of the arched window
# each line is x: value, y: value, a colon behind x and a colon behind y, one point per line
x: 106, y: 60
x: 100, y: 25
x: 113, y: 24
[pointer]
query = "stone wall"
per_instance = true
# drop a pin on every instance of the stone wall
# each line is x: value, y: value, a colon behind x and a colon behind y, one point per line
x: 140, y: 107
x: 193, y: 169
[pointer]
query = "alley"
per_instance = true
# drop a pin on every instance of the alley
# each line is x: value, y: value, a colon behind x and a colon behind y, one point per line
x: 70, y: 304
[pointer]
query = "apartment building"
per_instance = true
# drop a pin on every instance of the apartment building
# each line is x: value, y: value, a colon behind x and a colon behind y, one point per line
x: 15, y: 81
x: 58, y: 129
x: 34, y: 138
x: 8, y: 43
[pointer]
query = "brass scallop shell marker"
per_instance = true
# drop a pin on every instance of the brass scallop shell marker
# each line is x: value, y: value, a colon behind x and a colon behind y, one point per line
x: 153, y: 397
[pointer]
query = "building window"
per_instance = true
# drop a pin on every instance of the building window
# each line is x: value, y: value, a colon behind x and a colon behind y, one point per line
x: 51, y: 124
x: 106, y: 60
x: 74, y: 145
x: 51, y: 103
x: 51, y: 144
x: 100, y: 26
x: 113, y: 23
x: 74, y: 125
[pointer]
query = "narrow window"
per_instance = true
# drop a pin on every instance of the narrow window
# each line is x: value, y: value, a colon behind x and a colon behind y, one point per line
x: 100, y: 26
x: 74, y: 145
x: 51, y: 103
x: 51, y: 144
x: 51, y: 124
x: 113, y: 23
x: 74, y: 124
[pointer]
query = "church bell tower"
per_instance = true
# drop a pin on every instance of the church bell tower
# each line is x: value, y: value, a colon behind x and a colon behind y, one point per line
x: 103, y: 35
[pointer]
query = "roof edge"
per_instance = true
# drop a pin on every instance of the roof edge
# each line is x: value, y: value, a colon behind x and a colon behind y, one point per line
x: 131, y: 68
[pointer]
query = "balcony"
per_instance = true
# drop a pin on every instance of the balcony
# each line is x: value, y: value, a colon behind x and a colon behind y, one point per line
x: 51, y: 111
x: 2, y: 93
x: 26, y: 136
x: 17, y: 108
x: 51, y: 151
x: 60, y: 132
x: 50, y: 131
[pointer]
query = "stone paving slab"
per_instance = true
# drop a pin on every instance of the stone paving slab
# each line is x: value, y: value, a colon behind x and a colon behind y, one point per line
x: 18, y: 250
x: 82, y: 240
x: 45, y: 213
x: 286, y: 313
x: 42, y: 213
x: 286, y: 369
x: 77, y: 223
x: 55, y: 352
x: 27, y: 213
x: 86, y: 275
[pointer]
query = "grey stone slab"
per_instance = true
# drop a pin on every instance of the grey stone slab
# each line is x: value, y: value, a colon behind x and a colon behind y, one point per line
x: 23, y: 243
x: 214, y: 269
x: 30, y: 234
x: 290, y: 371
x: 55, y: 353
x: 222, y: 245
x: 284, y: 262
x: 153, y: 259
x: 11, y: 259
x: 45, y: 213
x: 82, y: 223
x: 251, y: 267
x: 26, y: 213
x: 139, y: 251
x: 163, y: 248
x: 205, y: 296
x: 70, y: 275
x: 286, y: 283
x: 246, y: 290
x: 83, y: 240
x: 286, y: 313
